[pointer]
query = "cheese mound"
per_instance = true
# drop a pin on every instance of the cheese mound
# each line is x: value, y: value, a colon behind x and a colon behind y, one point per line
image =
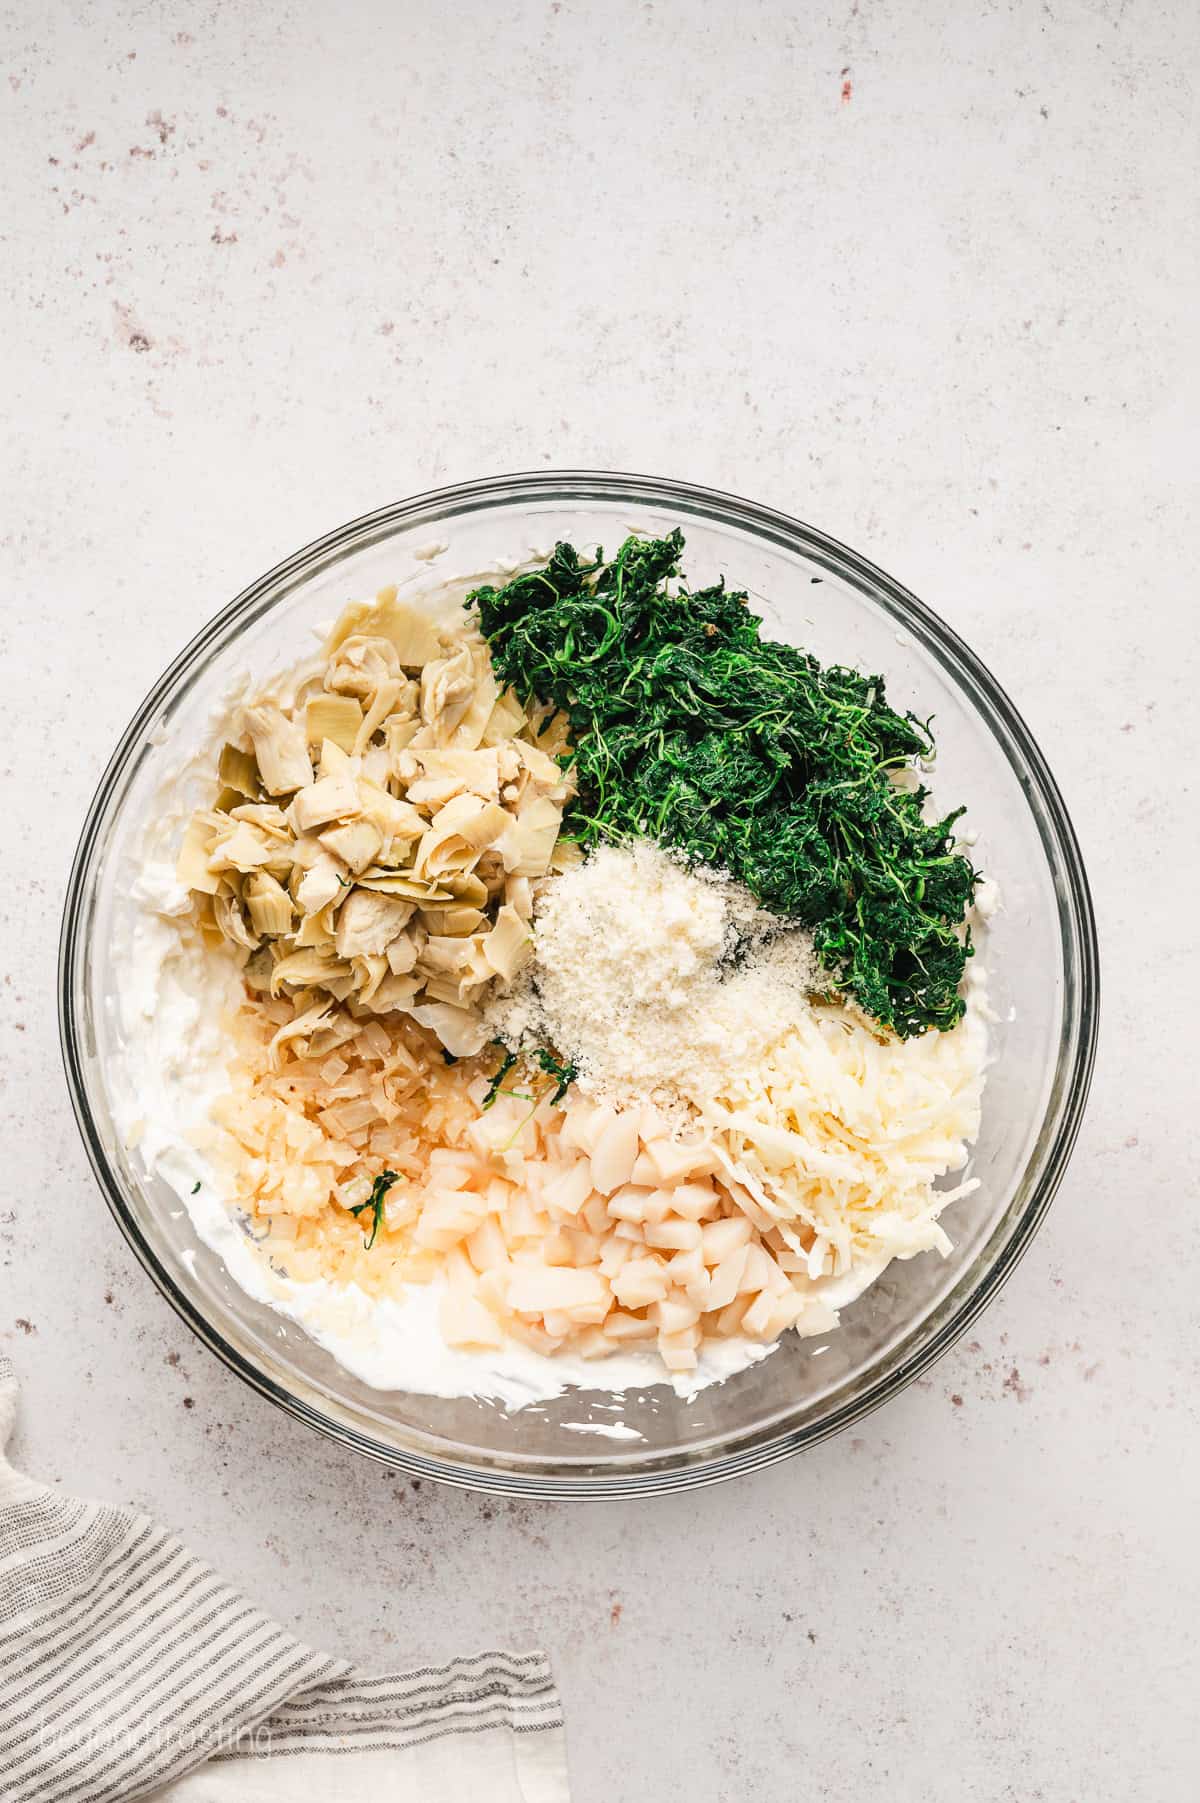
x: 843, y: 1133
x: 655, y: 977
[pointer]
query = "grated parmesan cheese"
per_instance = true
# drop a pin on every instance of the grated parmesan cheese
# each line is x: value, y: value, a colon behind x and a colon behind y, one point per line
x: 657, y: 979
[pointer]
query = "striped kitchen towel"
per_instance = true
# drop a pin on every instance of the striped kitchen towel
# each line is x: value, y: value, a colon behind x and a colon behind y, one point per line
x: 128, y: 1669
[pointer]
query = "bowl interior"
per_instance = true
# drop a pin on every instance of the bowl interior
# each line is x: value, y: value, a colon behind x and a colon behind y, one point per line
x: 1039, y: 957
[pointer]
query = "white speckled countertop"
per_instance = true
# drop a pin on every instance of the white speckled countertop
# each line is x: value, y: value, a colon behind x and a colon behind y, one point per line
x: 915, y: 272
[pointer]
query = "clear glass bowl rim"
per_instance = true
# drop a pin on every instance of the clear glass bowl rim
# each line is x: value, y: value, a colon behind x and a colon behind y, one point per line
x: 1075, y: 910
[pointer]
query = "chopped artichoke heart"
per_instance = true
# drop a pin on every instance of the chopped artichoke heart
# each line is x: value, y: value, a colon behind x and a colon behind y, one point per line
x: 269, y: 905
x: 388, y: 882
x: 191, y: 867
x: 402, y: 954
x: 540, y: 766
x: 458, y: 922
x: 314, y: 930
x: 565, y: 856
x: 412, y: 633
x: 280, y: 749
x: 244, y: 849
x: 395, y: 819
x: 509, y: 945
x: 333, y: 761
x: 263, y: 814
x: 433, y: 792
x: 321, y: 883
x: 227, y: 911
x: 468, y: 887
x: 396, y: 874
x: 528, y: 842
x: 329, y: 798
x: 505, y: 721
x: 355, y: 844
x: 369, y: 971
x: 399, y: 735
x: 468, y: 732
x: 458, y: 832
x: 367, y: 923
x: 238, y: 770
x: 386, y: 696
x: 462, y: 1033
x: 478, y: 771
x: 307, y: 968
x: 395, y: 991
x: 333, y: 717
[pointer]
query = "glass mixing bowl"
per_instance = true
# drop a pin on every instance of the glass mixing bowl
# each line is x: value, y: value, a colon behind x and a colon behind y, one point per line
x: 1041, y: 957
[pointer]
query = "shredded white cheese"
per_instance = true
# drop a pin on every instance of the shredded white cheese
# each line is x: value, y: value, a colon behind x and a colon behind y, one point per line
x: 843, y: 1133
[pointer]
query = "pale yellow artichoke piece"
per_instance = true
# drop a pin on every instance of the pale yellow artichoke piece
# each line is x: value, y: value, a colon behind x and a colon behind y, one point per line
x: 543, y: 768
x: 410, y: 631
x: 280, y: 749
x: 256, y: 973
x: 565, y: 856
x: 509, y: 945
x: 446, y: 959
x: 191, y: 866
x: 301, y: 1027
x: 341, y: 1027
x: 263, y: 814
x: 355, y: 844
x: 433, y: 792
x: 368, y: 972
x: 447, y: 686
x: 395, y: 819
x: 329, y: 798
x: 467, y: 732
x: 308, y: 969
x: 458, y: 833
x: 324, y: 881
x: 384, y: 700
x: 478, y: 771
x: 245, y: 849
x: 468, y: 887
x: 314, y: 930
x: 227, y: 911
x: 396, y: 857
x: 395, y: 991
x: 457, y: 923
x: 461, y: 1032
x: 333, y: 761
x: 399, y: 735
x: 402, y: 954
x: 447, y: 986
x: 551, y: 733
x: 391, y: 882
x: 361, y: 663
x: 528, y: 841
x: 519, y: 895
x: 374, y: 766
x: 333, y: 717
x: 269, y: 905
x: 238, y: 770
x: 505, y: 721
x: 368, y: 922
